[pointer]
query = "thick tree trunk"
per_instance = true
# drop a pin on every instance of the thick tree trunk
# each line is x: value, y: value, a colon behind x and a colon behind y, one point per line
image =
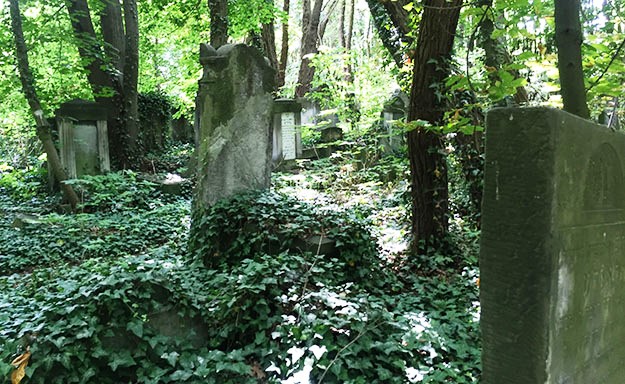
x: 268, y: 39
x: 284, y: 51
x: 390, y: 35
x: 310, y: 35
x: 219, y: 22
x: 131, y: 76
x: 429, y: 189
x: 89, y: 48
x: 28, y: 86
x: 569, y: 40
x: 113, y: 34
x: 112, y: 69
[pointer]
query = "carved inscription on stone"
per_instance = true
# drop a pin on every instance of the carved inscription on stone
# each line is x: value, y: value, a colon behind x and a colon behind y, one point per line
x: 604, y: 180
x: 288, y: 135
x: 589, y: 331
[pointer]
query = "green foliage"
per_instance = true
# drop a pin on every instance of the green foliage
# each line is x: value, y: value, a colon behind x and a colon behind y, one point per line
x: 115, y: 191
x: 155, y: 110
x: 25, y: 182
x: 268, y: 223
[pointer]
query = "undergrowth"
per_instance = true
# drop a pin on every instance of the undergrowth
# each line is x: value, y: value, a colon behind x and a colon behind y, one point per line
x: 112, y: 296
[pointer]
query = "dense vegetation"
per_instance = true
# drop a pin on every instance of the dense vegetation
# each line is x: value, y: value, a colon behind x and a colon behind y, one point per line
x: 91, y: 293
x: 311, y: 282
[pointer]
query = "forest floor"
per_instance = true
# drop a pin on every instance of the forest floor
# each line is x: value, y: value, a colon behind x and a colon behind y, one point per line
x: 84, y: 291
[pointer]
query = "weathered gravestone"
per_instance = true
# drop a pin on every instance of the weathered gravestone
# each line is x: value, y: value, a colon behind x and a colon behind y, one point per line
x: 552, y: 250
x: 394, y: 110
x: 84, y: 148
x: 233, y: 127
x: 287, y: 138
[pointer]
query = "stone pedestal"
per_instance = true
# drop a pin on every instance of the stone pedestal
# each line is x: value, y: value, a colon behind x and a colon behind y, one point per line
x: 84, y: 147
x: 233, y: 123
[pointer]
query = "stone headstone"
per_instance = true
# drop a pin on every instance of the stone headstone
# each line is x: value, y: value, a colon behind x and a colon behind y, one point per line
x: 310, y: 109
x: 83, y: 138
x: 233, y: 122
x: 287, y: 138
x: 331, y: 134
x: 394, y: 110
x: 552, y: 250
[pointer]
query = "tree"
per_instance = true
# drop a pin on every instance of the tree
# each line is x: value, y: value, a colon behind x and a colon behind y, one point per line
x: 284, y: 51
x: 112, y: 68
x: 28, y: 87
x: 219, y: 22
x: 569, y: 40
x: 429, y: 191
x: 310, y: 38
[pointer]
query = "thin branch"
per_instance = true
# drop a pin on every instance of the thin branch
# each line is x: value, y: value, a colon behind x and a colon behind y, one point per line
x: 471, y: 45
x: 605, y: 70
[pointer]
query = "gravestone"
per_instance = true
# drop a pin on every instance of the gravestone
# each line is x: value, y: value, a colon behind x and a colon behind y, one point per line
x: 310, y: 109
x: 83, y: 138
x: 287, y: 138
x: 394, y: 110
x: 552, y: 263
x: 233, y: 123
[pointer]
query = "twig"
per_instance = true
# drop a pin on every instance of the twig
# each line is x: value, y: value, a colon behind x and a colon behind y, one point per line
x: 471, y: 45
x: 358, y: 336
x: 605, y: 70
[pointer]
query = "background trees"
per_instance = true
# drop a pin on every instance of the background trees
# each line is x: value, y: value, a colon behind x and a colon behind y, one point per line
x: 504, y: 52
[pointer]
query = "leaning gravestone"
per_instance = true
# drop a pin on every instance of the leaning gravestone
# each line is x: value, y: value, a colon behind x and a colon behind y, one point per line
x: 233, y: 123
x: 552, y: 250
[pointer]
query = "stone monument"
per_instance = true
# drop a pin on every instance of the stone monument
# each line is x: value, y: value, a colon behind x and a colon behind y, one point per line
x: 233, y: 122
x: 552, y: 250
x: 287, y: 138
x: 394, y: 110
x: 84, y: 148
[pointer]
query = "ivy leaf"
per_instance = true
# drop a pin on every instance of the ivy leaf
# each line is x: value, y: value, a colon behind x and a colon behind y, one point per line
x: 136, y: 327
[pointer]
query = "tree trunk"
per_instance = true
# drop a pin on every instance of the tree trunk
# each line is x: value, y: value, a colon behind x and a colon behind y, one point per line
x: 219, y: 22
x: 569, y: 40
x: 131, y: 77
x: 284, y: 52
x: 113, y: 34
x: 390, y: 35
x: 28, y: 86
x: 496, y: 53
x: 112, y: 69
x: 310, y: 28
x: 268, y: 40
x: 349, y: 73
x: 429, y: 189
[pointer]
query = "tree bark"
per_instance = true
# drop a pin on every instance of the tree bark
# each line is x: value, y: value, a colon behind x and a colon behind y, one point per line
x: 268, y: 41
x: 284, y: 51
x: 496, y: 53
x: 131, y: 76
x: 569, y: 40
x: 219, y: 22
x: 429, y: 188
x: 28, y: 86
x: 113, y: 34
x: 349, y: 72
x: 310, y: 39
x: 112, y: 71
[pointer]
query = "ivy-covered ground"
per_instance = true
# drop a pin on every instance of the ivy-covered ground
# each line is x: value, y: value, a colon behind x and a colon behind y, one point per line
x: 111, y: 295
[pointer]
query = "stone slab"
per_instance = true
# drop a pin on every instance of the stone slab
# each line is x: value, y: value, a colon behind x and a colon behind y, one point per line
x: 552, y: 263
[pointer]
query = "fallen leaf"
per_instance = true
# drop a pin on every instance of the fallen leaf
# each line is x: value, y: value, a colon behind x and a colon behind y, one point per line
x: 20, y: 364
